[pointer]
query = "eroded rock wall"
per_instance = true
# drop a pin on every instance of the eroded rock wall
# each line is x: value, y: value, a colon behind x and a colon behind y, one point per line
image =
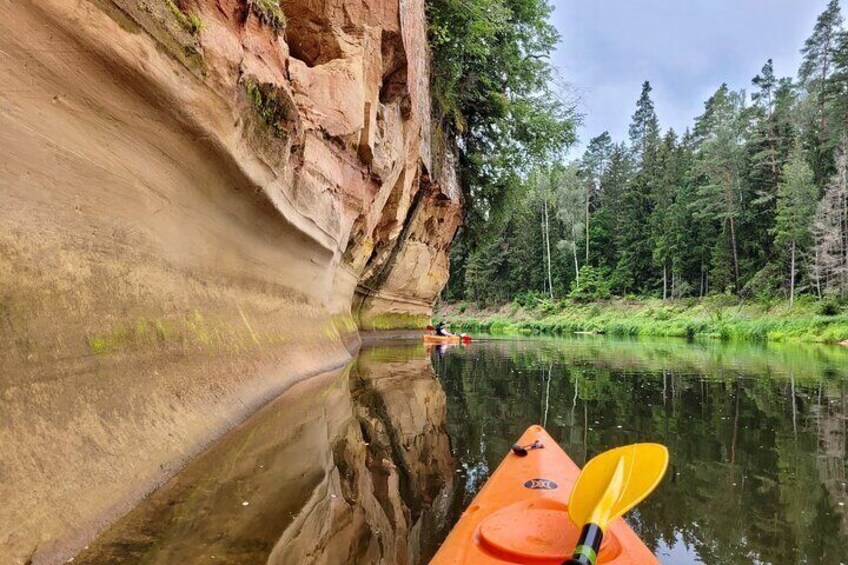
x: 201, y: 201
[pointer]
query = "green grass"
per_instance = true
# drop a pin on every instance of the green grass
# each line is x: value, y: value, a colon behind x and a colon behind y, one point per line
x: 715, y: 318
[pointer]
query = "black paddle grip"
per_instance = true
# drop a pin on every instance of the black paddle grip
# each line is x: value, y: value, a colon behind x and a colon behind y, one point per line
x: 588, y: 546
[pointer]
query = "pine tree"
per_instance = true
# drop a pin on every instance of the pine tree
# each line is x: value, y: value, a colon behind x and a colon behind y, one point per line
x: 765, y: 102
x: 820, y: 48
x: 594, y: 164
x: 796, y: 207
x: 692, y: 237
x: 772, y: 136
x: 818, y: 65
x: 633, y: 268
x: 720, y: 162
x: 644, y: 126
x: 606, y: 230
x: 837, y: 90
x: 663, y: 225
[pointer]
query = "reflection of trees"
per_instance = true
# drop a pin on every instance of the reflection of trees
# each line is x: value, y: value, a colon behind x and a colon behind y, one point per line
x: 831, y: 415
x: 757, y: 434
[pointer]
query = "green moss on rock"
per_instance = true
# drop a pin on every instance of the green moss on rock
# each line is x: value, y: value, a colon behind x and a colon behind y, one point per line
x: 272, y: 105
x: 190, y: 22
x: 396, y: 321
x: 269, y: 13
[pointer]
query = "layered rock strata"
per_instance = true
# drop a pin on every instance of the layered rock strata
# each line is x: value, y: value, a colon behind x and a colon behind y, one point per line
x: 201, y: 201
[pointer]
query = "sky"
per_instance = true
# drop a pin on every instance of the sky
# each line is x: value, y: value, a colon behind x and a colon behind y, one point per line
x: 686, y: 48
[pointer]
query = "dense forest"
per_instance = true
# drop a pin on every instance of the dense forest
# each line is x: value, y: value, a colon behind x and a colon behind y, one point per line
x: 752, y: 200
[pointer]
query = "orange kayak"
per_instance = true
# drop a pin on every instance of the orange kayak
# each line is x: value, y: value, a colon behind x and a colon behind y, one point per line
x: 521, y: 515
x: 441, y: 338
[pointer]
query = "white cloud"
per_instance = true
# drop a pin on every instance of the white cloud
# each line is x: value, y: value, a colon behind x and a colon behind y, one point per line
x: 685, y: 48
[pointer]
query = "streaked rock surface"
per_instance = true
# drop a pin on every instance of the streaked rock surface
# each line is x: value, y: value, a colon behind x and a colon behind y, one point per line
x: 201, y: 203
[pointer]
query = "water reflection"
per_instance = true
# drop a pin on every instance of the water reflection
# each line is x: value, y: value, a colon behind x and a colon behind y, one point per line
x: 374, y: 464
x: 349, y: 467
x: 757, y: 435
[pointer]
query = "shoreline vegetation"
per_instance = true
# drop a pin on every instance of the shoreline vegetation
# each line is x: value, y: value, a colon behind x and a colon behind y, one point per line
x: 747, y: 206
x: 717, y: 317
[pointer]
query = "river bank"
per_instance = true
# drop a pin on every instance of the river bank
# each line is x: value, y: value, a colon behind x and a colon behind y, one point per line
x: 714, y: 317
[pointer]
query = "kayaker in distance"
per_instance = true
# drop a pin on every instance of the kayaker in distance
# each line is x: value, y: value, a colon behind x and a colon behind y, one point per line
x: 441, y: 329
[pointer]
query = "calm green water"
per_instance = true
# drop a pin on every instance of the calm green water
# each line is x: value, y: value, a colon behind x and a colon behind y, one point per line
x: 373, y: 463
x: 757, y: 435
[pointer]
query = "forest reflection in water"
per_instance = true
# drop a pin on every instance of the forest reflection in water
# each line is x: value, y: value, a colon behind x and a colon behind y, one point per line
x: 374, y: 463
x: 757, y: 434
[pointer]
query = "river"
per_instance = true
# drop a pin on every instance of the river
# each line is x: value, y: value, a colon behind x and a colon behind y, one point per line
x: 375, y: 462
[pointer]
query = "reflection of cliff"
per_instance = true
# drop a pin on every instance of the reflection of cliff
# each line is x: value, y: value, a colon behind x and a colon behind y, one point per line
x: 195, y: 193
x: 349, y: 467
x: 401, y: 477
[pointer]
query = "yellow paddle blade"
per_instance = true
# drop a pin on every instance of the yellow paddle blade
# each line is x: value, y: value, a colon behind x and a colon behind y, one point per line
x: 615, y: 481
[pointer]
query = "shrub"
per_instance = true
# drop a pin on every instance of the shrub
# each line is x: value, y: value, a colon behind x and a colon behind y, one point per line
x: 529, y: 299
x: 723, y: 300
x: 828, y: 308
x: 765, y: 284
x: 513, y: 308
x: 682, y: 290
x: 195, y: 24
x: 594, y: 285
x: 663, y: 314
x: 272, y: 105
x: 548, y: 306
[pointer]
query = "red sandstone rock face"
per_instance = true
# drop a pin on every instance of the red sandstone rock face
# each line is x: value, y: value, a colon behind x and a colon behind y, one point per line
x: 201, y: 200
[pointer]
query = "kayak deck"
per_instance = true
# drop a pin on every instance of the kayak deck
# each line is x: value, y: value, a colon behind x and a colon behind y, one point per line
x: 521, y: 515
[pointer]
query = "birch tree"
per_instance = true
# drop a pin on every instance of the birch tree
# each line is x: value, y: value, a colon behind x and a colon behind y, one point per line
x: 544, y: 189
x: 831, y: 230
x: 571, y: 202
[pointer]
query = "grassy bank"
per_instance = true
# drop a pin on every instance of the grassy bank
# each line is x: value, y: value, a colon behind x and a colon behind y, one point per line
x: 714, y: 317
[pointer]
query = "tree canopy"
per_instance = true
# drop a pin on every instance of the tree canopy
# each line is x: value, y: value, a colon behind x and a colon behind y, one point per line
x: 495, y: 96
x: 752, y: 201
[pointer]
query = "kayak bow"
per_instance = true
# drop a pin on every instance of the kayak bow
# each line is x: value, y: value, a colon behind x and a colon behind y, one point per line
x: 521, y: 514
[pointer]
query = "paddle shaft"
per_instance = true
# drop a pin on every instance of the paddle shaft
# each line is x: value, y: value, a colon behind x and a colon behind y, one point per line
x: 586, y: 552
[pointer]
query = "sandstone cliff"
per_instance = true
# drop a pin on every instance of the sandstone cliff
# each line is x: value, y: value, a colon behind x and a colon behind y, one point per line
x: 201, y: 201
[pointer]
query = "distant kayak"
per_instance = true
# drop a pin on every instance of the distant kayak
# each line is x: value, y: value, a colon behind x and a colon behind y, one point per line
x: 436, y: 339
x: 521, y: 515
